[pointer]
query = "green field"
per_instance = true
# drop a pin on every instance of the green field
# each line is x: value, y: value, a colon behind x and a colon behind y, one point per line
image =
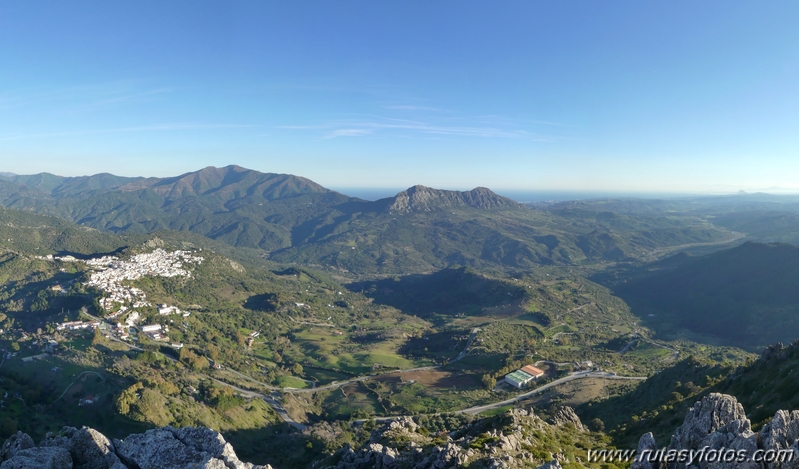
x: 290, y: 382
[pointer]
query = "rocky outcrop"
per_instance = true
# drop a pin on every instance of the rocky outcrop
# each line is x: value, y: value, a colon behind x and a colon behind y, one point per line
x: 566, y: 416
x: 496, y: 443
x: 39, y: 458
x: 719, y: 415
x: 86, y: 448
x: 15, y: 444
x: 718, y: 422
x: 426, y: 199
x: 554, y: 464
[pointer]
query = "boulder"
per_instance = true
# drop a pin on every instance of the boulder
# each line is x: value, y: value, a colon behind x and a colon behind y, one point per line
x: 39, y: 458
x: 14, y: 444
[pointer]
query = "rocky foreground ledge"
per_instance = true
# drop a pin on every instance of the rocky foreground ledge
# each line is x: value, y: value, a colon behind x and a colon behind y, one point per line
x: 718, y: 422
x: 86, y: 448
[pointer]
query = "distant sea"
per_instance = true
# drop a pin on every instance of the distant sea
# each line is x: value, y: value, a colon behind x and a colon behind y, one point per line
x: 520, y: 196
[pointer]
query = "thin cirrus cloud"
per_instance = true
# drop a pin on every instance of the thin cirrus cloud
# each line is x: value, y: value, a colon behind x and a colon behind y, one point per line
x: 364, y: 128
x: 123, y: 99
x: 179, y: 126
x: 348, y: 133
x: 413, y: 108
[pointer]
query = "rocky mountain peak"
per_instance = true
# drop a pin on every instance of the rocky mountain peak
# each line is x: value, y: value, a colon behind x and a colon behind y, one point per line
x: 425, y: 199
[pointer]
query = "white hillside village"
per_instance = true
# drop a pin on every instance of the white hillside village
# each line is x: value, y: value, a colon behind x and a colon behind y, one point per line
x: 111, y: 272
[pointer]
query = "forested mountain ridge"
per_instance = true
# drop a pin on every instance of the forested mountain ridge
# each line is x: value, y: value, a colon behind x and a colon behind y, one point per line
x: 235, y: 205
x: 293, y: 219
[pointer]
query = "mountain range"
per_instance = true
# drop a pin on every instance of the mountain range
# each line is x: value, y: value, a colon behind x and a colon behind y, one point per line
x: 293, y: 219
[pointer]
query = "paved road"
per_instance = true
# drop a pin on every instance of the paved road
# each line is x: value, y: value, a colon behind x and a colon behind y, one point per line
x: 465, y: 350
x: 521, y: 397
x: 627, y: 347
x: 270, y: 399
x: 565, y: 379
x: 674, y: 352
x: 338, y: 384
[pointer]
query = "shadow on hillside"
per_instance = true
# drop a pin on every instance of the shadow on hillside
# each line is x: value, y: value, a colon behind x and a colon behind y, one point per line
x: 276, y: 444
x: 83, y: 257
x: 450, y: 291
x: 263, y: 302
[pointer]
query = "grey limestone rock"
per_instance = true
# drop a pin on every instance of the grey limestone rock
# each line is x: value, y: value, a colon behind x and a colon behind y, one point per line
x: 565, y: 415
x: 15, y: 443
x: 170, y: 448
x: 707, y: 416
x: 403, y: 423
x: 718, y: 422
x: 39, y: 458
x: 554, y: 464
x: 86, y: 448
x: 425, y: 199
x: 645, y: 443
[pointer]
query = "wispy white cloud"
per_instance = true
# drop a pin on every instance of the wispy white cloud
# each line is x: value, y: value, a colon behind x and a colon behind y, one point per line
x: 361, y: 128
x: 79, y: 99
x: 123, y: 99
x: 348, y: 133
x: 413, y: 108
x: 487, y: 126
x: 177, y: 126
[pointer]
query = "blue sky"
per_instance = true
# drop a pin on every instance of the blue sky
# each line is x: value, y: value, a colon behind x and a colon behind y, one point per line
x: 535, y: 95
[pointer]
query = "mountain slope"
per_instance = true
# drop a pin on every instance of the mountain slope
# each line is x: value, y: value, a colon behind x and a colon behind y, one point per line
x: 421, y: 230
x: 745, y: 296
x: 296, y: 220
x: 235, y: 205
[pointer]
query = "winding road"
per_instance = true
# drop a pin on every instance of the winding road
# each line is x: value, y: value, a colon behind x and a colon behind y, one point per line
x: 273, y: 398
x: 496, y: 405
x: 571, y: 377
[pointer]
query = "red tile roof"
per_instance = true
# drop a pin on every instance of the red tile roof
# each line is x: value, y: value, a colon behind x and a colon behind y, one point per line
x: 535, y: 372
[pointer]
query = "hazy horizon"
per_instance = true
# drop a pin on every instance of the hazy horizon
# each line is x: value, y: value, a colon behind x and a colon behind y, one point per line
x: 519, y: 195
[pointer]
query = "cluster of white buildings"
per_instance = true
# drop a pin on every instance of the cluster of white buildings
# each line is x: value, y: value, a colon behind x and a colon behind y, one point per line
x: 77, y: 325
x: 165, y: 310
x: 112, y: 271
